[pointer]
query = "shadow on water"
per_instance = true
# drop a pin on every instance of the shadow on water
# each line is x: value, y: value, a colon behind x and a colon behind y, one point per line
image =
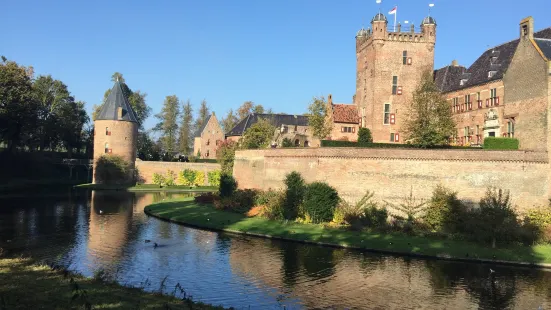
x: 107, y: 230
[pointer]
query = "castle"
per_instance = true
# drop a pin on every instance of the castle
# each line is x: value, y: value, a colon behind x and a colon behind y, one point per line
x: 505, y: 92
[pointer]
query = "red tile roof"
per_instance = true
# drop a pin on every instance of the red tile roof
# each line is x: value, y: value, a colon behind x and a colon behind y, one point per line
x: 345, y: 113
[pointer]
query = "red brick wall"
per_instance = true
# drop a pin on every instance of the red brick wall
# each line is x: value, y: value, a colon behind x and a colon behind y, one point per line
x: 390, y: 173
x: 146, y: 169
x: 207, y: 142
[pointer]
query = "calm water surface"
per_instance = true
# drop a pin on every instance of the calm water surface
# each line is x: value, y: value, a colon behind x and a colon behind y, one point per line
x: 91, y: 231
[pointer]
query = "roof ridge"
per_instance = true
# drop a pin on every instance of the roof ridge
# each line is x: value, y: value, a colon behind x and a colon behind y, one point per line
x: 544, y: 39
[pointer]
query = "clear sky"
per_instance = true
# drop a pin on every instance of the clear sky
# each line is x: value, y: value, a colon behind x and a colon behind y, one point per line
x: 276, y: 53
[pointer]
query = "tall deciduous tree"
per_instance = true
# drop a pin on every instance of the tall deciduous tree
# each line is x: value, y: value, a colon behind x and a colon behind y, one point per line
x: 185, y: 140
x: 168, y: 124
x: 429, y: 121
x: 249, y: 107
x: 204, y: 112
x: 229, y: 121
x: 17, y: 103
x: 259, y: 135
x: 317, y: 118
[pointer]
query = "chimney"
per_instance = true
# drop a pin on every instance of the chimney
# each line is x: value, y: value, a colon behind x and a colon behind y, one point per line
x: 329, y: 99
x: 527, y: 28
x: 454, y: 63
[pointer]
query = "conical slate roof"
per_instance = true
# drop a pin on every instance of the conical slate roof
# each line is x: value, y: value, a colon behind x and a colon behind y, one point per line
x: 116, y: 100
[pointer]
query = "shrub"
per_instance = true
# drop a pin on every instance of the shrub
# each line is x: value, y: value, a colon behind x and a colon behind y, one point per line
x: 225, y: 155
x: 158, y: 179
x: 170, y: 179
x: 294, y: 193
x: 206, y: 198
x: 273, y: 209
x: 536, y: 226
x: 199, y: 179
x: 263, y: 197
x: 187, y: 177
x: 353, y: 213
x: 339, y: 214
x: 496, y: 218
x: 320, y: 201
x: 495, y: 143
x: 228, y: 185
x: 112, y: 169
x: 364, y: 135
x: 286, y: 142
x: 375, y: 217
x: 240, y: 202
x: 337, y: 143
x: 445, y: 212
x: 214, y: 178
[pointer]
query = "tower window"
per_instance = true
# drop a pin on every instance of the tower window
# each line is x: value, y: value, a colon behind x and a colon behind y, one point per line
x: 387, y: 114
x: 392, y: 137
x: 405, y: 57
x: 107, y: 132
x: 524, y: 30
x: 394, y: 84
x: 107, y: 150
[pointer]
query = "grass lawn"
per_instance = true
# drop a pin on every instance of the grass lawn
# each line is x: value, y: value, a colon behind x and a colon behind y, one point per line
x: 25, y: 285
x: 148, y: 187
x: 186, y: 211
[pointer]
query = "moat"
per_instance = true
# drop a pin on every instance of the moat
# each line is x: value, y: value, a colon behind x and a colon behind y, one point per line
x: 107, y: 230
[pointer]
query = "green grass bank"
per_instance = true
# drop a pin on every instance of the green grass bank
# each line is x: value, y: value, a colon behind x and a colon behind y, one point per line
x: 186, y: 211
x: 27, y: 285
x: 147, y: 187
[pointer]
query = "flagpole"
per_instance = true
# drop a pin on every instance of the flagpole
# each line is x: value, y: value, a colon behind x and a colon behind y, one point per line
x: 395, y: 13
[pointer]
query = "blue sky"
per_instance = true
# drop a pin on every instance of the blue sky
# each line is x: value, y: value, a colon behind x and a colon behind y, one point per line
x: 276, y: 53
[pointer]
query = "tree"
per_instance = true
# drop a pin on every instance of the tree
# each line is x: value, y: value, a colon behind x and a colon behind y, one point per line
x: 258, y: 109
x: 18, y: 106
x: 202, y: 117
x: 168, y: 124
x: 245, y: 109
x: 364, y: 135
x: 225, y: 155
x: 136, y: 100
x: 185, y: 139
x: 72, y: 117
x: 317, y: 118
x: 259, y: 135
x: 229, y: 121
x: 429, y: 121
x: 147, y: 148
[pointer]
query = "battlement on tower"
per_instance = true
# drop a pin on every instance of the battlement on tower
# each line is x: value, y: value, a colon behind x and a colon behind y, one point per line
x: 413, y: 35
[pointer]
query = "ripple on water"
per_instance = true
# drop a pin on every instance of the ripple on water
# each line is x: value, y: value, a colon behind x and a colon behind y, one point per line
x: 241, y: 271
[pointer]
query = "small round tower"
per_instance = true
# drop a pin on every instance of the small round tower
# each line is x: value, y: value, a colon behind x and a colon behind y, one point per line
x: 116, y: 129
x: 428, y: 26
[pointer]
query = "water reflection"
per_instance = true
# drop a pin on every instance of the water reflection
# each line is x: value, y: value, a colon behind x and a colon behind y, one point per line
x: 107, y: 230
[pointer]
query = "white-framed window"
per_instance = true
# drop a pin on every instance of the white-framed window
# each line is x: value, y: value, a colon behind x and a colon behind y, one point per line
x: 394, y: 85
x: 387, y: 114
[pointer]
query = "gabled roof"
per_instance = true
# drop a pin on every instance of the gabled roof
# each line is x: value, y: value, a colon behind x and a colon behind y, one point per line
x: 544, y: 46
x: 116, y: 100
x: 345, y: 113
x: 200, y: 131
x: 275, y: 119
x: 494, y: 59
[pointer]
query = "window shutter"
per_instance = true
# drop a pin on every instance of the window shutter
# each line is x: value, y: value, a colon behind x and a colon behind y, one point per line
x: 409, y: 61
x: 497, y: 100
x: 399, y: 92
x: 396, y: 137
x: 487, y: 102
x: 342, y: 129
x: 392, y: 118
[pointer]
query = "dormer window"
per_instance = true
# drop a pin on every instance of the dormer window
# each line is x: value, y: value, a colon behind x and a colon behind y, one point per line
x: 463, y: 82
x: 491, y: 74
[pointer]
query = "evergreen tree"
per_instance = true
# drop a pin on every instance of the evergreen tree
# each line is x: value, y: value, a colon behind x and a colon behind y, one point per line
x: 229, y: 121
x: 185, y: 140
x: 168, y: 124
x: 202, y: 117
x: 429, y: 121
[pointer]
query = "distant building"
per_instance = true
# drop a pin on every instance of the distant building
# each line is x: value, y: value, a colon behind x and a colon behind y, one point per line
x: 208, y: 137
x: 292, y: 127
x: 505, y: 92
x: 345, y: 120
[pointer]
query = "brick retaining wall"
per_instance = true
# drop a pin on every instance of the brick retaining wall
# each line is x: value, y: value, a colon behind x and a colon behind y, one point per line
x: 146, y: 169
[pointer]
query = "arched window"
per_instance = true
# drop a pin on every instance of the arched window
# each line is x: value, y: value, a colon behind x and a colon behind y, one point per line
x: 306, y: 144
x: 297, y: 142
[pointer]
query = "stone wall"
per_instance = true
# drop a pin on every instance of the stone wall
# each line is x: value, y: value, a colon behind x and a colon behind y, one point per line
x: 146, y: 169
x: 392, y: 173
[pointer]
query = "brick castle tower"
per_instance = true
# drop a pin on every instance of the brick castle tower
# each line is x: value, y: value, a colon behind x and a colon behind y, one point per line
x: 390, y: 64
x: 116, y: 129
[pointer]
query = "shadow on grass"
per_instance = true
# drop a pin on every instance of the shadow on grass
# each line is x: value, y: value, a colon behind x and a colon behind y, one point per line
x: 27, y: 285
x: 187, y: 212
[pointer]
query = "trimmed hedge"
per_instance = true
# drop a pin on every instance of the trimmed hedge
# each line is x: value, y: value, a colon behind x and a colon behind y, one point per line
x: 495, y: 143
x: 336, y: 143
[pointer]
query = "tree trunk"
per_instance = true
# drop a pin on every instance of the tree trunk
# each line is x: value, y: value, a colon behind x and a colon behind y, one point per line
x: 493, y: 242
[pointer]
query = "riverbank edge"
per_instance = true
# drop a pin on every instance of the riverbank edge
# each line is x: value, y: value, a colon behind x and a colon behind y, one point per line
x: 58, y: 282
x: 344, y: 245
x: 146, y: 188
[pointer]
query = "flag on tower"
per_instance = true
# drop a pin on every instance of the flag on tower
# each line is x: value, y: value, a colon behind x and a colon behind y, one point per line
x: 393, y: 11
